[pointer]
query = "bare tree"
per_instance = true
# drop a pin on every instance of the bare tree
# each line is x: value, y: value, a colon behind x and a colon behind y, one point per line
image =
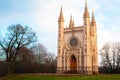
x: 110, y: 54
x: 42, y: 55
x: 118, y: 56
x: 105, y: 53
x: 113, y: 53
x: 51, y: 58
x: 17, y: 37
x: 40, y: 51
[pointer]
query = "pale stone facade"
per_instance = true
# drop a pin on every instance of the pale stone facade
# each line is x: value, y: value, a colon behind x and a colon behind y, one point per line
x: 77, y: 45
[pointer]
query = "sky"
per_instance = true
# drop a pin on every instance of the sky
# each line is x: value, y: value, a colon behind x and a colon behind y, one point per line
x: 42, y: 17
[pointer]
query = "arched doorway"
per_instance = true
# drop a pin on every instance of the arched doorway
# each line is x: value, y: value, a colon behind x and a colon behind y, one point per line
x: 73, y: 63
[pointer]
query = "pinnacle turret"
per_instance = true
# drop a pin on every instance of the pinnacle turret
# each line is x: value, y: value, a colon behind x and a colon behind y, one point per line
x: 61, y: 17
x: 71, y: 22
x: 86, y: 13
x: 93, y: 22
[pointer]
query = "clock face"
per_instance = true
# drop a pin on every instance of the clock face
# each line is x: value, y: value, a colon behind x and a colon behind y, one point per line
x: 73, y: 42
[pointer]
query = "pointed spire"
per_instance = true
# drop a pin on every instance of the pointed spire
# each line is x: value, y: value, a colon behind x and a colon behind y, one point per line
x: 71, y: 22
x: 86, y: 13
x: 93, y: 22
x: 61, y: 17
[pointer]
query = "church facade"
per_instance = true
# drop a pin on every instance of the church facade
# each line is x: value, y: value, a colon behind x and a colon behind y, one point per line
x: 77, y: 45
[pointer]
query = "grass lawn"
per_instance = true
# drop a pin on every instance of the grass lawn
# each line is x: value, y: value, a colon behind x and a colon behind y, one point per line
x: 55, y: 77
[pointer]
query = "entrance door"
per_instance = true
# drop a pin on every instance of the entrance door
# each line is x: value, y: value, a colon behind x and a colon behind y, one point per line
x: 73, y: 63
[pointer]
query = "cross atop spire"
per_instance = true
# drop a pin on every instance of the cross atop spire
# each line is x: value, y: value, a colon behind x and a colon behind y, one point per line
x: 61, y: 17
x: 85, y: 2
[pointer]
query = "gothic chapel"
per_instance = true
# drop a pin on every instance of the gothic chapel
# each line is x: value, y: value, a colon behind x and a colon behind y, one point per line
x: 77, y: 45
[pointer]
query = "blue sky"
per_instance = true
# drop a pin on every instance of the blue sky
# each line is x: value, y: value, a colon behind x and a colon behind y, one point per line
x: 42, y: 16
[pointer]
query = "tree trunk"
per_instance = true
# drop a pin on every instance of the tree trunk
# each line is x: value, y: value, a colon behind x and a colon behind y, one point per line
x: 10, y: 68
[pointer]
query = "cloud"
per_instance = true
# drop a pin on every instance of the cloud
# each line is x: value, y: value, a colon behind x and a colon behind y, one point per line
x: 106, y: 35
